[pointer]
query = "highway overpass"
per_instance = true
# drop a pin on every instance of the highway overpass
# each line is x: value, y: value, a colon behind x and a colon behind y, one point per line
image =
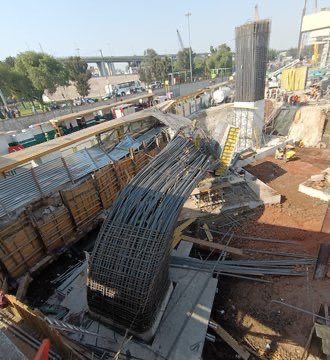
x: 105, y: 64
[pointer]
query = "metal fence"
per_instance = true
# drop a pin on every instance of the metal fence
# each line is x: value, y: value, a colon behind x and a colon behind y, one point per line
x: 31, y: 184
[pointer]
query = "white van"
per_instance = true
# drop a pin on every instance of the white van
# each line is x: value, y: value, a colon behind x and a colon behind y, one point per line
x: 125, y: 88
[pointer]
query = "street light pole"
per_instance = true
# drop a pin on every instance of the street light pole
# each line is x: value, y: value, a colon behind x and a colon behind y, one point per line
x: 188, y: 16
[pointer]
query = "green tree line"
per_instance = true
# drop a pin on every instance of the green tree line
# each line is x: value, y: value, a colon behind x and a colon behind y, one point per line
x: 30, y: 74
x: 154, y: 67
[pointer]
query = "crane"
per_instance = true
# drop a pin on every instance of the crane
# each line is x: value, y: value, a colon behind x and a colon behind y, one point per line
x: 256, y: 13
x: 180, y: 39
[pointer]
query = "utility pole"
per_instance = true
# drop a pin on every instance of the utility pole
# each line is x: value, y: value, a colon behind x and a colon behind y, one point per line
x: 188, y: 16
x: 300, y: 33
x: 41, y: 49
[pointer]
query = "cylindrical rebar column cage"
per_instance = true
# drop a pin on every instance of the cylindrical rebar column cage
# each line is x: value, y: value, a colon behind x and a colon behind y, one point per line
x: 128, y: 275
x: 251, y: 60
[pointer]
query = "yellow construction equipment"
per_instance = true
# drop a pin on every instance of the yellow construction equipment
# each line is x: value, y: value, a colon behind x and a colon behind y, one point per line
x: 287, y: 153
x: 228, y: 151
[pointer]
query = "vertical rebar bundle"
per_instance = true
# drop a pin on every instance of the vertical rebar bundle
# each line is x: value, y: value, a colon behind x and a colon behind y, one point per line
x: 128, y: 273
x: 251, y: 60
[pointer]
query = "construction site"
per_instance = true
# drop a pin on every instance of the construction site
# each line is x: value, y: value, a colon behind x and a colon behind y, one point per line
x: 189, y: 228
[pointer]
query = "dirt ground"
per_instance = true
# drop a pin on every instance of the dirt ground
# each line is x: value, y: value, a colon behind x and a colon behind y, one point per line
x: 244, y: 308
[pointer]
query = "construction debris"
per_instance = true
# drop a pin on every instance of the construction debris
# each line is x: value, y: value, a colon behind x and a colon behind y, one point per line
x: 220, y: 331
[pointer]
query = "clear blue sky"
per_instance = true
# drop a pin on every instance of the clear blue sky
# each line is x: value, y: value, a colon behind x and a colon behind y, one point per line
x: 128, y: 27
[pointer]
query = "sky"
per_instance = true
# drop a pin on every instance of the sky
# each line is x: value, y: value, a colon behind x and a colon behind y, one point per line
x: 129, y: 27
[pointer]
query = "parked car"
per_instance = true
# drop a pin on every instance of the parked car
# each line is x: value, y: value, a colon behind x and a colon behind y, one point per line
x: 107, y: 97
x: 155, y: 85
x: 54, y: 106
x: 90, y: 101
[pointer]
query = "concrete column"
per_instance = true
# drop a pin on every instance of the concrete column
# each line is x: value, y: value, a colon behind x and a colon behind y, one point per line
x: 111, y: 68
x: 102, y: 68
x: 249, y: 117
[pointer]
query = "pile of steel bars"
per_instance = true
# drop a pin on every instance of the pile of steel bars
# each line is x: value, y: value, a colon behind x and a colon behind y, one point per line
x: 128, y: 272
x: 246, y: 267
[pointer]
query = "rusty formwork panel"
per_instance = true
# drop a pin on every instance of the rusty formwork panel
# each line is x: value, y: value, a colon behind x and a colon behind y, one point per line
x: 20, y: 246
x: 128, y: 270
x: 56, y: 229
x: 125, y: 171
x: 107, y: 185
x: 33, y: 321
x: 83, y: 202
x: 140, y: 160
x: 2, y: 279
x: 154, y: 152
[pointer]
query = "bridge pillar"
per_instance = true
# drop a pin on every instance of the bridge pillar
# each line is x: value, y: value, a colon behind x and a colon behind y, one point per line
x: 111, y: 68
x: 103, y: 68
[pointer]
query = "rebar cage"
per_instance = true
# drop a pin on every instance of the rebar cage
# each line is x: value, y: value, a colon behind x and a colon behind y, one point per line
x: 128, y: 271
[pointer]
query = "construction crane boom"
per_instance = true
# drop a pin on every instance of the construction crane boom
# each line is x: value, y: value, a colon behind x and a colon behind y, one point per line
x: 180, y: 39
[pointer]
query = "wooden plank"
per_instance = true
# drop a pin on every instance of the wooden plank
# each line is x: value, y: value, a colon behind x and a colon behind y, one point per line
x: 321, y: 267
x: 12, y: 160
x: 244, y: 354
x: 215, y: 246
x: 23, y: 286
x: 326, y: 222
x: 178, y: 231
x: 208, y: 232
x: 326, y: 314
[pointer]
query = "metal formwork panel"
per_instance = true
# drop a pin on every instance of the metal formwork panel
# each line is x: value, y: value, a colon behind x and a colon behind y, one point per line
x: 80, y: 164
x: 51, y: 175
x: 18, y: 190
x: 99, y: 156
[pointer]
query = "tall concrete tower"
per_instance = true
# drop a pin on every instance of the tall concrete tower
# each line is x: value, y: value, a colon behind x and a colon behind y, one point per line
x: 251, y: 62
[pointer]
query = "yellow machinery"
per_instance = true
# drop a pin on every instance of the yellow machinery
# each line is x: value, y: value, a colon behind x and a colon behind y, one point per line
x: 288, y: 153
x: 315, y: 56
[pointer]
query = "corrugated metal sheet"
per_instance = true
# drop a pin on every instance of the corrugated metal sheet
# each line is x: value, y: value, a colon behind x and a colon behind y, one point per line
x: 27, y: 185
x: 122, y: 149
x: 149, y: 135
x: 80, y: 164
x: 51, y: 175
x: 99, y: 156
x: 18, y: 190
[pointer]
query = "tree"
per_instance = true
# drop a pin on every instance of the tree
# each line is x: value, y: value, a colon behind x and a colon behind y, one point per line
x: 10, y: 61
x: 152, y: 67
x: 15, y: 84
x: 44, y: 71
x: 200, y: 66
x: 272, y: 54
x: 220, y: 57
x: 292, y: 52
x: 183, y: 60
x: 79, y: 74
